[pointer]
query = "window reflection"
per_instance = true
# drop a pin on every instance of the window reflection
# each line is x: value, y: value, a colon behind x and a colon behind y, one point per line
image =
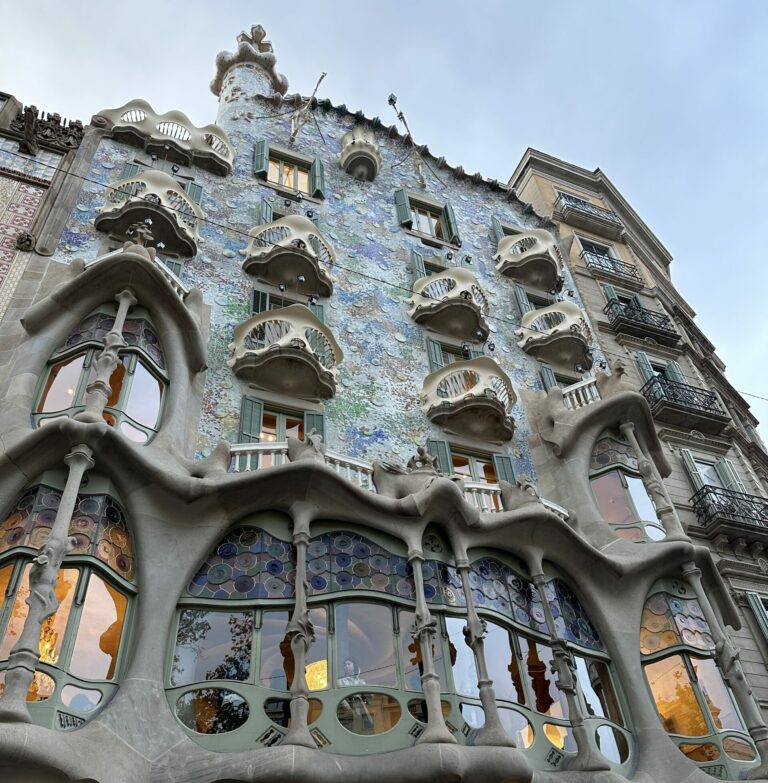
x: 612, y: 499
x: 276, y: 666
x: 410, y: 651
x: 365, y: 651
x: 549, y: 699
x: 597, y: 689
x: 716, y: 695
x: 675, y: 699
x: 502, y: 664
x: 143, y: 404
x: 60, y: 389
x: 368, y: 713
x: 464, y: 670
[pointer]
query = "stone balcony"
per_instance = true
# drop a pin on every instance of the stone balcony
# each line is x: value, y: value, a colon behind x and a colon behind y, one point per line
x: 288, y: 351
x: 557, y: 334
x: 584, y: 214
x: 156, y: 199
x: 170, y: 136
x: 531, y: 259
x: 626, y: 318
x: 451, y: 303
x: 685, y: 406
x: 472, y: 398
x: 730, y: 513
x: 291, y: 251
x: 360, y: 156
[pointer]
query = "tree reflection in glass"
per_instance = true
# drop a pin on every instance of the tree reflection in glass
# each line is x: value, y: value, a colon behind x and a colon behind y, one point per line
x: 410, y: 651
x: 716, y: 694
x: 549, y: 699
x: 674, y: 696
x: 212, y: 710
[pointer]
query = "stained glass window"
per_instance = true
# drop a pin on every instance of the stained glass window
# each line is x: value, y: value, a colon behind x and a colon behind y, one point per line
x: 669, y: 620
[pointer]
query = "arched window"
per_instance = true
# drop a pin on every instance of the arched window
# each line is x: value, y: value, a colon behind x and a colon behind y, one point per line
x: 232, y: 664
x: 138, y: 382
x: 695, y: 705
x: 81, y: 645
x: 619, y: 491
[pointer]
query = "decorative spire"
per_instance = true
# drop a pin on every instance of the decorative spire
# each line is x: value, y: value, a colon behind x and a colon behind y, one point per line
x: 251, y: 48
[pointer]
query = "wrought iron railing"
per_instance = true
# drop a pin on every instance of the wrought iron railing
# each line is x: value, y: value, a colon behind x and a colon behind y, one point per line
x: 658, y: 389
x: 711, y: 503
x: 567, y: 200
x: 612, y: 265
x: 632, y: 312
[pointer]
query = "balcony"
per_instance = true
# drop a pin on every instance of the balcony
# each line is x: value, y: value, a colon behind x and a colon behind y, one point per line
x: 451, y: 303
x: 583, y: 214
x: 685, y: 406
x: 629, y: 318
x: 613, y: 269
x: 472, y: 398
x: 531, y: 258
x: 287, y: 250
x: 288, y: 351
x: 557, y: 334
x: 170, y: 136
x: 156, y: 197
x: 730, y: 513
x: 360, y: 156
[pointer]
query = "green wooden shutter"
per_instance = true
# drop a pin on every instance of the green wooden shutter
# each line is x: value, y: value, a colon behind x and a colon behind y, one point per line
x: 637, y: 301
x: 435, y: 354
x: 264, y: 213
x: 644, y: 365
x: 548, y: 377
x: 317, y: 178
x: 442, y: 450
x: 403, y: 208
x: 260, y: 301
x: 674, y: 372
x: 727, y: 474
x: 318, y: 311
x: 251, y: 415
x: 476, y: 353
x: 418, y: 264
x: 758, y: 609
x: 130, y: 170
x: 505, y: 469
x: 261, y: 159
x: 316, y: 421
x: 449, y: 224
x: 697, y: 482
x: 497, y: 232
x: 174, y: 266
x: 522, y: 299
x: 610, y: 292
x: 194, y: 191
x: 315, y: 219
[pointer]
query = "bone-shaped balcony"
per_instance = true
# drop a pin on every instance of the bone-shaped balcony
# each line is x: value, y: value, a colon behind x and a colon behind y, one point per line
x: 531, y: 258
x: 558, y: 335
x: 292, y: 252
x: 472, y: 398
x: 288, y: 351
x: 451, y: 303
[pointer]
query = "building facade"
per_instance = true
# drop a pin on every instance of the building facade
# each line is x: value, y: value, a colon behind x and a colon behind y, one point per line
x: 316, y: 448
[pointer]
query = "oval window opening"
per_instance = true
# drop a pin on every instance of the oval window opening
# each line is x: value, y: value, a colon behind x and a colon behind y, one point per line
x: 41, y: 688
x: 82, y: 699
x: 612, y: 743
x: 517, y: 726
x: 368, y: 713
x: 739, y: 749
x: 418, y: 709
x: 706, y: 751
x: 279, y: 711
x: 212, y: 710
x: 561, y: 737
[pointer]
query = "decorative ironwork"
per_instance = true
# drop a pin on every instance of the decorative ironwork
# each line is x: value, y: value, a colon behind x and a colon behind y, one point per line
x: 659, y: 389
x: 612, y: 265
x: 711, y: 503
x: 574, y: 202
x: 616, y: 309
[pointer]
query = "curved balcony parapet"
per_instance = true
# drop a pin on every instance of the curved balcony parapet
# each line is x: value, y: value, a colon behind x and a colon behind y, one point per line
x: 451, y: 303
x: 137, y: 122
x: 360, y: 154
x: 531, y: 258
x: 154, y: 195
x: 287, y: 249
x: 558, y: 334
x: 472, y: 398
x: 288, y: 351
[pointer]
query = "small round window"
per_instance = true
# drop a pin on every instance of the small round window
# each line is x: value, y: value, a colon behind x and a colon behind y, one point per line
x: 212, y: 710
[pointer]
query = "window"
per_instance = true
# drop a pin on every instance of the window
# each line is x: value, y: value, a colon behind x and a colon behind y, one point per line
x: 595, y: 248
x: 500, y: 230
x: 429, y: 220
x: 137, y: 384
x: 550, y: 378
x: 287, y: 171
x: 434, y: 265
x: 442, y: 354
x: 667, y: 371
x: 474, y: 466
x: 527, y: 301
x: 264, y: 301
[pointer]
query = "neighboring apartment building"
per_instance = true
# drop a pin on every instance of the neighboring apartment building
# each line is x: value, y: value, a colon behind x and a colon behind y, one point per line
x: 316, y: 447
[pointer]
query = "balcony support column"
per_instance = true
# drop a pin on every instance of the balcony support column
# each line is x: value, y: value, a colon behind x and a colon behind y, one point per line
x: 492, y: 732
x: 301, y: 634
x: 423, y: 632
x: 42, y: 600
x: 98, y: 390
x: 727, y: 656
x: 654, y: 485
x: 564, y: 667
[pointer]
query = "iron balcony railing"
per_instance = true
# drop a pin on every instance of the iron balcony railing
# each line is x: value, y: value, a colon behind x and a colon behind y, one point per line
x: 711, y: 503
x: 632, y: 312
x: 612, y: 265
x: 574, y: 202
x: 658, y: 389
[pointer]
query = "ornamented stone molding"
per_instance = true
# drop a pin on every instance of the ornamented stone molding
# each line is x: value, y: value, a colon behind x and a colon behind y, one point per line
x: 50, y: 130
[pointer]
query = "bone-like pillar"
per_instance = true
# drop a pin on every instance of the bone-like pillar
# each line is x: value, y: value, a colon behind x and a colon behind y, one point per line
x: 98, y: 390
x: 301, y: 635
x: 655, y: 487
x: 728, y: 660
x: 563, y: 665
x: 42, y: 600
x: 492, y: 733
x: 423, y: 632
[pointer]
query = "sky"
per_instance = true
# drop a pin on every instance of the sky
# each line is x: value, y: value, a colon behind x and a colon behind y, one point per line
x: 667, y: 98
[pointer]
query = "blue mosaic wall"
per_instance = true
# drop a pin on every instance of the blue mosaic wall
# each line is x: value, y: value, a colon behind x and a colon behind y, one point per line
x: 375, y: 413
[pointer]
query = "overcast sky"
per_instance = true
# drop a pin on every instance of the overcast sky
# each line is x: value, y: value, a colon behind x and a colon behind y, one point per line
x: 667, y: 98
